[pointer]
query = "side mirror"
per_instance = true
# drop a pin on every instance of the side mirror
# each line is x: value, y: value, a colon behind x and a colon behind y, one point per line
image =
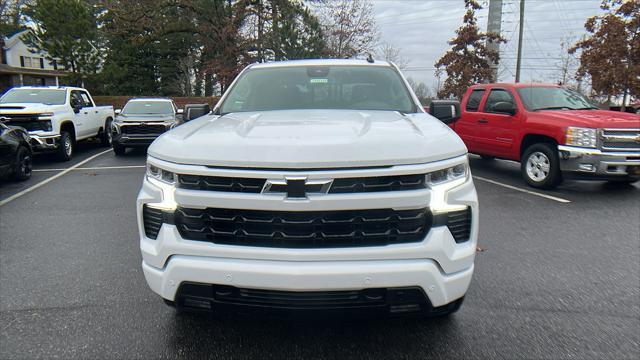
x: 76, y: 108
x: 118, y: 111
x: 194, y: 111
x: 447, y: 111
x: 504, y: 107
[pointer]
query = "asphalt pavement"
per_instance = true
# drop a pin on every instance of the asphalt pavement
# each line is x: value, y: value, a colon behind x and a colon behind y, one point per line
x: 558, y: 277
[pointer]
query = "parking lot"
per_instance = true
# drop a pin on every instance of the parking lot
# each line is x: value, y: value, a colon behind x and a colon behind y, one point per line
x: 557, y: 277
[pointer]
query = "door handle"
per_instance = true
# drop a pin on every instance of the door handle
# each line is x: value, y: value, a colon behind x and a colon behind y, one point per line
x: 96, y: 111
x: 85, y: 113
x: 483, y: 121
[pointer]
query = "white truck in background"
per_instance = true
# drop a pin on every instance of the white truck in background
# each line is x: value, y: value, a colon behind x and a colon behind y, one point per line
x: 56, y: 117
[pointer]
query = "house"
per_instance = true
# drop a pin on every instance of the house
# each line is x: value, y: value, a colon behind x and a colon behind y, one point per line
x: 19, y: 66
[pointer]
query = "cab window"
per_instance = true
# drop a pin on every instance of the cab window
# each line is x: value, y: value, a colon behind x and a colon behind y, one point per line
x: 497, y: 96
x: 473, y: 103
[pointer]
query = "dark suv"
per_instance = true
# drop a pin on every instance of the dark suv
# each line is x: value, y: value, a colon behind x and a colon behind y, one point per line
x: 141, y: 121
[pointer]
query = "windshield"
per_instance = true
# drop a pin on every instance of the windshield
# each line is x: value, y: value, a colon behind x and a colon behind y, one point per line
x: 147, y: 108
x: 319, y: 87
x: 553, y: 98
x: 35, y: 96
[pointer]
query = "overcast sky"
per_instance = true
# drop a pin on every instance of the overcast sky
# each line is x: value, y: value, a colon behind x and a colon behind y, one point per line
x: 421, y: 29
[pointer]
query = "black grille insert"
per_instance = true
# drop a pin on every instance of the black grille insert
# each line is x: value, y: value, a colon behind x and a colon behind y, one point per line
x: 152, y: 219
x: 219, y: 183
x: 30, y: 124
x: 339, y: 186
x: 459, y: 224
x: 203, y: 296
x: 143, y: 129
x: 377, y: 184
x: 303, y: 229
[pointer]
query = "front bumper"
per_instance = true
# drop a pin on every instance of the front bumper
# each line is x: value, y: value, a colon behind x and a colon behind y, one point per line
x: 437, y: 265
x: 595, y: 164
x: 133, y: 140
x: 44, y: 143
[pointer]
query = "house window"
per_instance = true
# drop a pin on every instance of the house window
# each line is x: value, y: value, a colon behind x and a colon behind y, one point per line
x: 32, y: 62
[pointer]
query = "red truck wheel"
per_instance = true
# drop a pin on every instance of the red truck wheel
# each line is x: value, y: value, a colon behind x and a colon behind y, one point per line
x: 540, y: 166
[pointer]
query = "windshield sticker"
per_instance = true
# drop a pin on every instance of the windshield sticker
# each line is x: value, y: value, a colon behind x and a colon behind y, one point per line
x: 319, y: 81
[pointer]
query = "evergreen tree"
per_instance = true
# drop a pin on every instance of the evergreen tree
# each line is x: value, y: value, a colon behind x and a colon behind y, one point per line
x: 66, y: 30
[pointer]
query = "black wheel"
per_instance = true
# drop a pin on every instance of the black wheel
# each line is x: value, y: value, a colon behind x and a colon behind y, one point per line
x: 487, y: 157
x: 24, y: 164
x: 106, y: 138
x: 119, y: 149
x: 540, y: 166
x: 65, y: 149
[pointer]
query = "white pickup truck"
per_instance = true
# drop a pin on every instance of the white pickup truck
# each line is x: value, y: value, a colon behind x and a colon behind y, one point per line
x: 56, y: 117
x: 313, y: 185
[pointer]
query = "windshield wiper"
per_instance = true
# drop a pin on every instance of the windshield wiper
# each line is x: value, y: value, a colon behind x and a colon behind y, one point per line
x: 555, y: 108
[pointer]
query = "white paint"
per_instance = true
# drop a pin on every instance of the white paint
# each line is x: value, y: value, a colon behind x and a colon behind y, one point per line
x: 48, y: 180
x: 554, y: 198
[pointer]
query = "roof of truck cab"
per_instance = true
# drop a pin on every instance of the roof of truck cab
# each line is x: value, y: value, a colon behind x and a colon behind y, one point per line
x: 320, y: 62
x: 514, y: 85
x: 150, y: 99
x: 49, y: 87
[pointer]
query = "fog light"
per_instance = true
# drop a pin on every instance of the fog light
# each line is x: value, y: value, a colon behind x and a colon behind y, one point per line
x: 587, y: 167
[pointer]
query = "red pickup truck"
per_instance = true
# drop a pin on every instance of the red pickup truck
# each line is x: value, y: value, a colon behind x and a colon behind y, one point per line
x: 553, y: 132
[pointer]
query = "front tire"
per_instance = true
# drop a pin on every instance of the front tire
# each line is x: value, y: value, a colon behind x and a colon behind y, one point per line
x: 119, y: 149
x: 24, y: 164
x: 65, y: 150
x: 540, y: 166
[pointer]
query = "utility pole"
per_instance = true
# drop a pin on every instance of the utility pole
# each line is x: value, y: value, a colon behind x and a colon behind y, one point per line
x: 494, y: 26
x: 519, y: 61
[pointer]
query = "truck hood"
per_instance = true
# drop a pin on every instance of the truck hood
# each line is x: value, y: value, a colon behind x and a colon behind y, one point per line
x: 309, y: 139
x: 594, y: 118
x: 146, y: 118
x: 27, y: 108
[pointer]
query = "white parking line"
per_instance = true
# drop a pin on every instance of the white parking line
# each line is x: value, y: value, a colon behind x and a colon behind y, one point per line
x: 554, y: 198
x: 94, y: 168
x: 47, y: 180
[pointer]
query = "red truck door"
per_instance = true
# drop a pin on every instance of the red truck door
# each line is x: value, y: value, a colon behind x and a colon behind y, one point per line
x: 466, y: 126
x: 496, y: 128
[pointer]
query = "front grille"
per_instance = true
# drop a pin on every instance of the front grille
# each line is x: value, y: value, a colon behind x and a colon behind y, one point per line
x: 621, y: 140
x: 152, y: 219
x: 395, y: 300
x: 143, y: 129
x: 303, y: 229
x: 218, y: 183
x: 29, y: 122
x: 376, y: 184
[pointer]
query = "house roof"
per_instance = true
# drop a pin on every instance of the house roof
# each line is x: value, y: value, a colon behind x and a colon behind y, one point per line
x: 7, y: 69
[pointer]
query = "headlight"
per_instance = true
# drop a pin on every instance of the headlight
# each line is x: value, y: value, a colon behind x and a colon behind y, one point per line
x: 447, y: 175
x: 45, y: 115
x: 583, y: 137
x: 157, y: 173
x: 441, y: 182
x: 164, y: 180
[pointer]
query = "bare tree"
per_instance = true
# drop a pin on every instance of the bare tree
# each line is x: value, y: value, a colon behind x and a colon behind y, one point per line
x: 420, y: 89
x: 349, y: 27
x: 568, y: 63
x: 386, y: 51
